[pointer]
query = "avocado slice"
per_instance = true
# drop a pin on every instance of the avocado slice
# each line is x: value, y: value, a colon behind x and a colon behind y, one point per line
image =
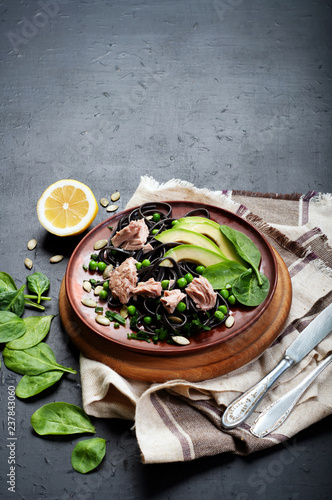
x: 192, y: 253
x: 180, y: 235
x: 211, y: 230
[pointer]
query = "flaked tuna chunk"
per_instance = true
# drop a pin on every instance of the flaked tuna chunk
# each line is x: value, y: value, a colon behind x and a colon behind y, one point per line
x: 149, y: 289
x: 123, y: 279
x: 132, y: 237
x: 171, y: 299
x: 201, y: 292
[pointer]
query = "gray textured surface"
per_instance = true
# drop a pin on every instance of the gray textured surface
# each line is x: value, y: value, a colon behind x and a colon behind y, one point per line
x: 224, y: 94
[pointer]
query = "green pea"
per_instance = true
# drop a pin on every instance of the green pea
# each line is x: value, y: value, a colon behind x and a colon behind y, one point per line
x: 156, y: 217
x: 103, y: 294
x: 181, y: 307
x: 223, y: 309
x: 188, y: 277
x: 116, y: 325
x: 219, y: 315
x: 106, y: 285
x: 131, y: 310
x: 231, y: 300
x: 146, y: 263
x: 224, y: 293
x: 165, y: 284
x: 154, y: 231
x: 101, y: 266
x: 138, y: 265
x: 147, y: 320
x: 174, y: 222
x: 200, y: 269
x: 93, y: 265
x: 182, y: 282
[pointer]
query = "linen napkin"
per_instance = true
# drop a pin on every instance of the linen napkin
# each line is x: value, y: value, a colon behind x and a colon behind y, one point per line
x: 180, y: 420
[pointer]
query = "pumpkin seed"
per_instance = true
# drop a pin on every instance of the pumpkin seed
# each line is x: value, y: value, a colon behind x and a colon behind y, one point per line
x: 124, y: 311
x: 175, y: 319
x: 229, y: 321
x: 98, y: 289
x: 89, y: 302
x: 115, y: 196
x: 87, y: 286
x: 102, y: 320
x: 107, y: 270
x: 56, y: 258
x: 104, y: 202
x: 32, y: 244
x: 28, y: 263
x: 112, y: 208
x: 181, y: 340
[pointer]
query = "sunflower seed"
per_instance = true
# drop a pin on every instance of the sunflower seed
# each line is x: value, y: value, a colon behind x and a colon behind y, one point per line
x: 124, y: 311
x: 115, y: 196
x: 89, y: 302
x: 112, y: 208
x: 181, y: 340
x: 229, y: 321
x: 98, y: 289
x: 28, y: 263
x: 102, y: 320
x: 32, y: 244
x: 104, y: 202
x: 100, y: 244
x: 87, y: 286
x: 56, y: 258
x: 107, y: 270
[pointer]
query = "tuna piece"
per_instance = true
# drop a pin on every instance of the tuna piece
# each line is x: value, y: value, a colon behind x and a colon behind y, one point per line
x: 201, y: 292
x: 133, y: 236
x: 171, y: 299
x: 123, y: 279
x: 149, y: 289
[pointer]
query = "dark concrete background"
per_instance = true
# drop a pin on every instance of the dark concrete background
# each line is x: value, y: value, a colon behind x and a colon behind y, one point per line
x: 226, y: 94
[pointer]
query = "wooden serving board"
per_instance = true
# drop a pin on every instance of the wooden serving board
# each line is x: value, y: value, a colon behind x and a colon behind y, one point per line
x: 195, y: 367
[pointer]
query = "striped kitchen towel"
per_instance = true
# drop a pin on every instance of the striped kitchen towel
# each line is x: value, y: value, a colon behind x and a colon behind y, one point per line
x: 180, y: 420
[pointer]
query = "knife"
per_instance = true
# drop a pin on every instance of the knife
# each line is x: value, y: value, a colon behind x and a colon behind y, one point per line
x: 240, y: 409
x: 275, y: 414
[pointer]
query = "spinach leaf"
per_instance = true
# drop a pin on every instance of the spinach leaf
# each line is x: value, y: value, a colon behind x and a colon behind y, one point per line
x: 223, y: 273
x: 248, y: 291
x: 7, y: 283
x: 11, y: 326
x: 88, y: 454
x: 38, y: 283
x: 13, y: 301
x: 61, y: 418
x: 33, y: 361
x: 30, y: 385
x: 244, y: 247
x: 37, y: 327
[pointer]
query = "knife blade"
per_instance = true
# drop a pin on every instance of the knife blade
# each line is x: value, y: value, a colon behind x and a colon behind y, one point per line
x: 240, y: 409
x: 275, y: 414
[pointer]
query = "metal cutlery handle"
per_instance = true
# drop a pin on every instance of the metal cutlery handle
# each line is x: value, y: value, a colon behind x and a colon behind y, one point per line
x: 275, y: 414
x: 240, y: 409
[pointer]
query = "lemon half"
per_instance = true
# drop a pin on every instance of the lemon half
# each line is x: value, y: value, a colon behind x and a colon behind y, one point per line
x: 67, y: 208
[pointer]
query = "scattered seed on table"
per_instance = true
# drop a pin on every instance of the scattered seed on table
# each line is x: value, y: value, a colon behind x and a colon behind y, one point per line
x: 112, y: 208
x: 104, y: 202
x: 32, y: 244
x: 115, y: 196
x: 56, y: 258
x: 28, y: 263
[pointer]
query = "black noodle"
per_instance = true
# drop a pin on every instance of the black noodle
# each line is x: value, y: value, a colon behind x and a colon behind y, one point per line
x: 163, y: 325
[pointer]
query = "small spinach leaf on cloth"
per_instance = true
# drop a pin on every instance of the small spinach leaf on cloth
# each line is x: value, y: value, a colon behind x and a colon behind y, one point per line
x: 244, y: 247
x: 13, y: 301
x: 38, y: 283
x: 37, y: 327
x: 223, y: 273
x: 7, y: 284
x: 33, y: 361
x: 247, y: 290
x: 88, y: 454
x: 30, y: 385
x: 61, y: 418
x: 11, y: 326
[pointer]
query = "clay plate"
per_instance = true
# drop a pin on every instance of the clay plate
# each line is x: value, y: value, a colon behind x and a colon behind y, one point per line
x: 244, y: 316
